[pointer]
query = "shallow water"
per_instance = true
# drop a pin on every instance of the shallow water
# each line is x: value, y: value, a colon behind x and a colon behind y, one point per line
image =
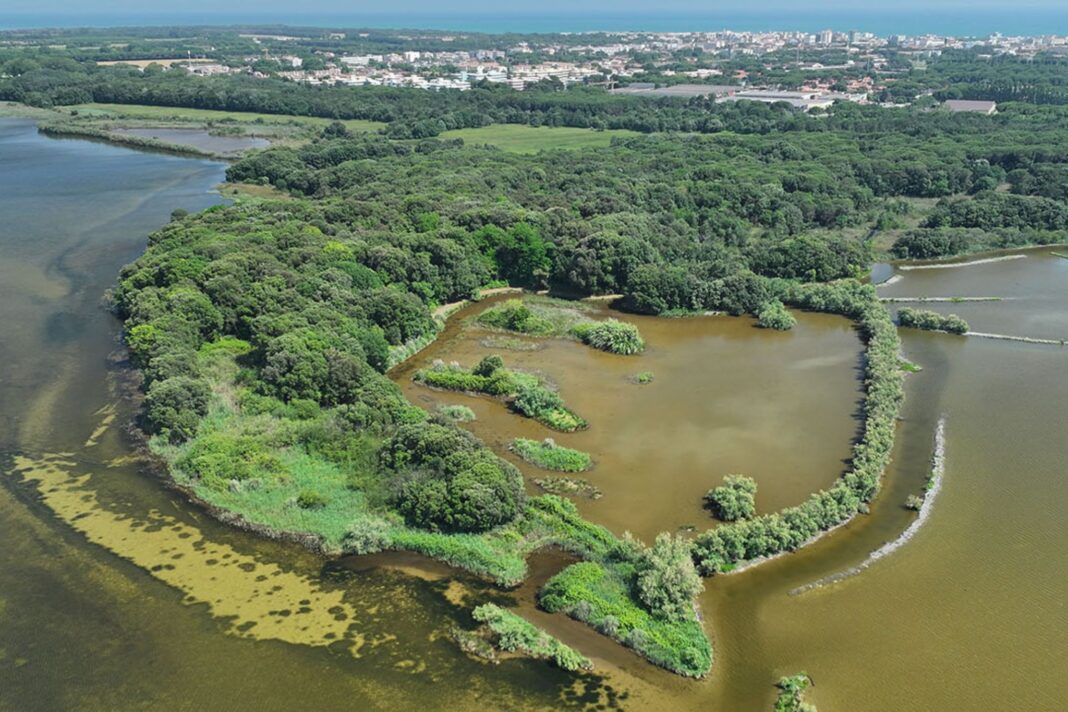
x: 199, y: 138
x: 726, y: 398
x: 117, y: 594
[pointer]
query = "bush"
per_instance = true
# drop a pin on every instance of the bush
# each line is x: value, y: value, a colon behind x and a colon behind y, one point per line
x: 514, y: 315
x: 774, y: 315
x: 733, y: 500
x: 367, y: 535
x: 457, y: 413
x: 792, y: 692
x: 311, y: 499
x: 488, y: 366
x: 612, y: 335
x: 174, y: 406
x: 550, y: 456
x: 667, y: 579
x: 536, y: 400
x: 931, y: 320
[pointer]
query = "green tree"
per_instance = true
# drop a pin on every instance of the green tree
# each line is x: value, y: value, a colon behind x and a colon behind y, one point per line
x: 667, y: 580
x: 734, y: 499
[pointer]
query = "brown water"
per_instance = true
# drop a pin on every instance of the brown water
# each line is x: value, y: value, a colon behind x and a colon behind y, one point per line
x: 726, y: 398
x: 116, y: 594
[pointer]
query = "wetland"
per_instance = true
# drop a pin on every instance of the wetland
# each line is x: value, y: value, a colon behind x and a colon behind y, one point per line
x: 104, y: 560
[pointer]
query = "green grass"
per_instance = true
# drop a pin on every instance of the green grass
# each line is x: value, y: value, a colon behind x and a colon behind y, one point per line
x: 524, y: 392
x: 164, y: 113
x: 519, y: 138
x: 513, y: 633
x: 550, y: 456
x: 603, y: 597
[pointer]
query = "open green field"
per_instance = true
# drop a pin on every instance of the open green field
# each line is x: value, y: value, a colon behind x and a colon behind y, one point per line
x: 162, y: 113
x: 519, y: 138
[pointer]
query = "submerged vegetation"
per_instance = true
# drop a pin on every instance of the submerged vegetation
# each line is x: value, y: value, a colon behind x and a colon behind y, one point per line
x: 931, y: 320
x: 568, y: 486
x: 550, y: 456
x: 512, y: 633
x: 525, y: 392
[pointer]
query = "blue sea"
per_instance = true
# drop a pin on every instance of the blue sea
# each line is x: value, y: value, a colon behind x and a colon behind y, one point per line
x: 977, y: 22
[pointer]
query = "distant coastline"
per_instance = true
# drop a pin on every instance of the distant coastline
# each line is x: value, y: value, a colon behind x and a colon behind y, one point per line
x: 977, y: 22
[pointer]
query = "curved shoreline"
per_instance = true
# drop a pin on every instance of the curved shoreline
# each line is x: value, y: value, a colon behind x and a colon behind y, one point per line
x: 938, y: 466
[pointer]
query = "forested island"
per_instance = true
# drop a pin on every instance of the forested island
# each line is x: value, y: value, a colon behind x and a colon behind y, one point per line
x: 264, y: 329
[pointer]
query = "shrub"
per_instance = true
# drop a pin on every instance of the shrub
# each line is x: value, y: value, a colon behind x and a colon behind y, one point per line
x: 514, y: 315
x: 488, y: 366
x: 311, y: 499
x: 792, y: 692
x: 773, y: 315
x: 366, y: 536
x: 536, y: 400
x: 734, y: 499
x: 914, y: 502
x: 931, y: 320
x: 667, y: 579
x: 612, y: 335
x: 457, y: 413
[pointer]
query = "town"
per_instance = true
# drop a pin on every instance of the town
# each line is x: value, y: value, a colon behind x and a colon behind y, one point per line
x: 806, y: 70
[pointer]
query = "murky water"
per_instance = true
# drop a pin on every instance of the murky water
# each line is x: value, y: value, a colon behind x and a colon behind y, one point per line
x: 116, y: 594
x: 726, y: 398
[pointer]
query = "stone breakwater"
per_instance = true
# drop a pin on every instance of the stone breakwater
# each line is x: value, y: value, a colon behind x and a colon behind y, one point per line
x: 934, y: 486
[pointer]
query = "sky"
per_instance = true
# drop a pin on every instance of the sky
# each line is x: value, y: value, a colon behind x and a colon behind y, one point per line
x: 975, y: 18
x: 437, y: 7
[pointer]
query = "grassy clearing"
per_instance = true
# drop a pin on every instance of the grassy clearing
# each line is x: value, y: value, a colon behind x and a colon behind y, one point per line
x: 550, y: 456
x: 170, y: 113
x: 518, y: 138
